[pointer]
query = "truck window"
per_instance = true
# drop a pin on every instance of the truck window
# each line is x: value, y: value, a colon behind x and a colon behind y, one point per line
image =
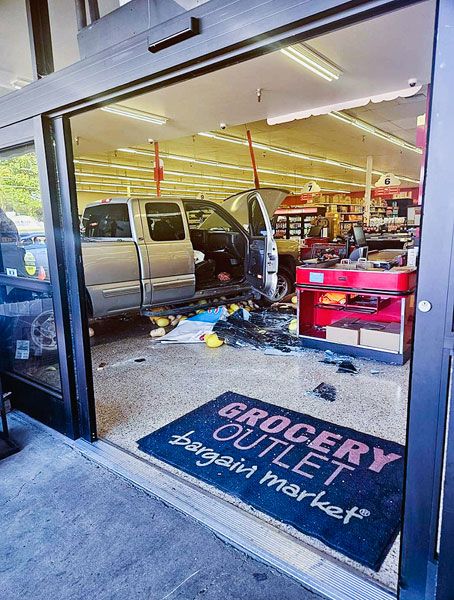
x: 106, y: 221
x: 165, y: 222
x: 256, y: 219
x: 206, y: 217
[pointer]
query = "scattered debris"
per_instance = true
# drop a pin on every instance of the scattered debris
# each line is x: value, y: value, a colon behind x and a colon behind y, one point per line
x: 91, y: 332
x: 374, y: 372
x: 212, y: 340
x: 224, y: 276
x: 346, y: 366
x: 139, y: 360
x: 159, y: 332
x: 266, y: 330
x: 260, y: 576
x: 330, y: 358
x: 293, y: 325
x: 101, y: 366
x: 325, y: 391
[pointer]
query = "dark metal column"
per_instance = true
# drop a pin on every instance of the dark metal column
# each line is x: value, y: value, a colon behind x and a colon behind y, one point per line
x: 40, y: 38
x: 50, y: 200
x: 54, y: 152
x: 94, y: 10
x: 81, y: 14
x: 428, y: 533
x: 74, y: 295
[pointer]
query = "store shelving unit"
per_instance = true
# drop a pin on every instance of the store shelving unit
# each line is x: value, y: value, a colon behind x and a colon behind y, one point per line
x: 367, y: 295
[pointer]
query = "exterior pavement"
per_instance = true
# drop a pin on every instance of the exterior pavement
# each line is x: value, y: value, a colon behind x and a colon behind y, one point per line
x: 71, y: 530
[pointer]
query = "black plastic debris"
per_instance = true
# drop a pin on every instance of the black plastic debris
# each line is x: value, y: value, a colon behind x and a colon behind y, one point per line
x: 139, y: 360
x: 325, y: 391
x: 260, y: 330
x: 330, y: 358
x: 346, y: 366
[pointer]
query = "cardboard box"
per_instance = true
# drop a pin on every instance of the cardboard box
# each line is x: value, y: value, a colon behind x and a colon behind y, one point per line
x: 344, y: 331
x: 385, y: 336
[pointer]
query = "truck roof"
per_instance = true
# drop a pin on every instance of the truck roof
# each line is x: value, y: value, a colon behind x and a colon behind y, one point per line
x: 271, y: 196
x: 124, y: 200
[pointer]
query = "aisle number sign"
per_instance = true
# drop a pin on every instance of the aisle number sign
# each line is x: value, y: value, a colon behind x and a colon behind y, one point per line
x: 387, y: 185
x: 310, y: 189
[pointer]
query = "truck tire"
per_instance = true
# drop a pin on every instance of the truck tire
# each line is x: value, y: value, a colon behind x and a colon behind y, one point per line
x: 285, y: 286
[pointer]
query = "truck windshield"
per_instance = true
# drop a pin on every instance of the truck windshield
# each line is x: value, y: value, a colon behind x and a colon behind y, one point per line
x: 106, y: 221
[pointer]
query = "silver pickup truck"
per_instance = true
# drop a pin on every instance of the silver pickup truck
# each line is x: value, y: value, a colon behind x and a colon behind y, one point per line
x: 143, y: 253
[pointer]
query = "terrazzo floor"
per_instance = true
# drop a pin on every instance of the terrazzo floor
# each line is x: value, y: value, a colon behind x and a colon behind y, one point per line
x: 135, y: 398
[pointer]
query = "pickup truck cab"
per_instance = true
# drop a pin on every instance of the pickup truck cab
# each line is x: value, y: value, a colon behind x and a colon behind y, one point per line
x: 142, y: 253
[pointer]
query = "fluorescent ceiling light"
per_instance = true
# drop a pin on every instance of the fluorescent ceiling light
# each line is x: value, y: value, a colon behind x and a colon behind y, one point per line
x: 219, y: 190
x: 221, y: 165
x: 299, y: 155
x: 312, y: 61
x: 115, y: 191
x: 133, y: 113
x: 195, y: 176
x: 296, y: 188
x: 20, y: 82
x: 388, y: 137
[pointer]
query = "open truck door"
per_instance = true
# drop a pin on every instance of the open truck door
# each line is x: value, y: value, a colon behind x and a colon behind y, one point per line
x: 254, y: 209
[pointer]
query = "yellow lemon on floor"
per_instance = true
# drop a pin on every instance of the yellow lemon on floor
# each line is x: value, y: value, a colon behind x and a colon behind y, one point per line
x: 162, y: 322
x: 212, y: 341
x: 294, y: 300
x: 293, y: 325
x: 233, y: 308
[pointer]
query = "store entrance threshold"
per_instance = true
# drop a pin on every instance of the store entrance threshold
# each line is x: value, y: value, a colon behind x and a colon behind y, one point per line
x: 239, y: 528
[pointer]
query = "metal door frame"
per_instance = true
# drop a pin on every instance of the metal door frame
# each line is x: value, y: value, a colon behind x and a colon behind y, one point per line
x: 53, y: 407
x: 261, y: 26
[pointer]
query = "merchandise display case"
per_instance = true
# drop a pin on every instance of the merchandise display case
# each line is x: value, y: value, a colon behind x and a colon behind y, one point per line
x: 295, y: 223
x: 362, y: 311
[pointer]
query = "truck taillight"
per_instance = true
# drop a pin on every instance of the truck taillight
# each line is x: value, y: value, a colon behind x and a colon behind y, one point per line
x: 106, y: 200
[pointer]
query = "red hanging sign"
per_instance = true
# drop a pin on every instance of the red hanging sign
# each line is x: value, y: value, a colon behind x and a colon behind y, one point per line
x: 158, y: 170
x: 254, y: 166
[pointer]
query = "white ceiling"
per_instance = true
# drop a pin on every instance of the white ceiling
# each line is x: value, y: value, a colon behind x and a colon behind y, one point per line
x: 229, y: 95
x: 375, y: 57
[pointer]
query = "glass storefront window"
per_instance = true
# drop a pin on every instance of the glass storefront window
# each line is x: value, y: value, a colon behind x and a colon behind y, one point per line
x: 27, y: 325
x: 29, y: 339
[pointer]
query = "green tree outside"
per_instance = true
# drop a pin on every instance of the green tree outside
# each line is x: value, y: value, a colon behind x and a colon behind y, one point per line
x: 19, y: 186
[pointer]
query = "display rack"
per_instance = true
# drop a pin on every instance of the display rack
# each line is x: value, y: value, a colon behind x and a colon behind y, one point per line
x: 368, y: 297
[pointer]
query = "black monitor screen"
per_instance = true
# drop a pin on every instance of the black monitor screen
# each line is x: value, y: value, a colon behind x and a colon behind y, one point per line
x: 358, y: 234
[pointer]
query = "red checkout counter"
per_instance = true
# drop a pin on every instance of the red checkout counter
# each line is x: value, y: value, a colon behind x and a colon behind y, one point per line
x: 357, y: 309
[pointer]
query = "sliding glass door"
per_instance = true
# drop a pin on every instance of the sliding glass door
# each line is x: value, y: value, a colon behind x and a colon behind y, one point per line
x: 36, y: 352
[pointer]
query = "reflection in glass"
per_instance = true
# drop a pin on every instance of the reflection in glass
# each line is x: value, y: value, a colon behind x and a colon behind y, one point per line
x: 28, y: 334
x: 27, y: 325
x: 23, y: 251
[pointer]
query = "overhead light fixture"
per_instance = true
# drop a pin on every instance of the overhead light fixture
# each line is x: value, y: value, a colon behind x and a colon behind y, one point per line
x: 312, y: 61
x: 133, y: 113
x: 299, y: 155
x: 222, y: 165
x: 368, y: 128
x: 20, y: 82
x: 201, y: 176
x: 164, y: 189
